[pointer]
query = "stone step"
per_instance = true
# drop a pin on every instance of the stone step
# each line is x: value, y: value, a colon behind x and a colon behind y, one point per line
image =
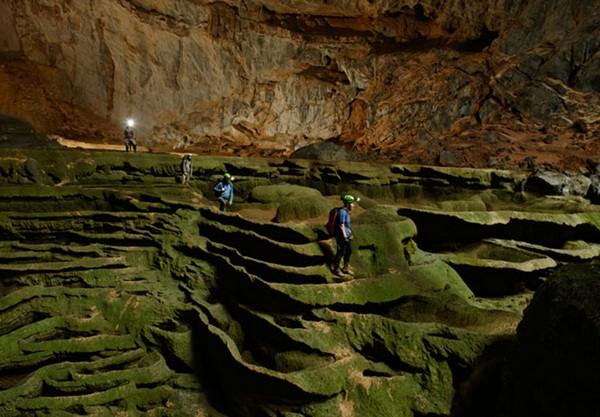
x: 289, y: 233
x: 258, y: 247
x: 273, y: 272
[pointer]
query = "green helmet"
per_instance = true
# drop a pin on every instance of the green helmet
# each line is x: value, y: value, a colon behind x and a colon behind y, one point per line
x: 348, y: 199
x: 227, y: 176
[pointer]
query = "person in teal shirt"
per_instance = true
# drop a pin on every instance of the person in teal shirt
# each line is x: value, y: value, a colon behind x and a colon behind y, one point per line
x: 224, y: 191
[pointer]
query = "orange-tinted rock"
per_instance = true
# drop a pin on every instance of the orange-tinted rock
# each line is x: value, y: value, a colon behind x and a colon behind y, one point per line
x: 407, y: 82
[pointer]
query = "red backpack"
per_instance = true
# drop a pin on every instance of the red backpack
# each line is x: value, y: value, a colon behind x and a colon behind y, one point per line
x: 333, y: 222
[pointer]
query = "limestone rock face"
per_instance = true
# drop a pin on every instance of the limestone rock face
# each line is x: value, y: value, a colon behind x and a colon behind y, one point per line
x: 487, y: 82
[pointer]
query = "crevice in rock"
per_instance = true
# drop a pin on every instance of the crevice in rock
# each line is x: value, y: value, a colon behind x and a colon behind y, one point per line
x: 223, y: 22
x: 377, y: 352
x: 420, y: 44
x: 329, y: 75
x: 319, y: 26
x: 152, y: 17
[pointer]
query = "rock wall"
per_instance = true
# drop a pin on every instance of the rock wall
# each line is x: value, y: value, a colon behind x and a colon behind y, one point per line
x: 450, y: 83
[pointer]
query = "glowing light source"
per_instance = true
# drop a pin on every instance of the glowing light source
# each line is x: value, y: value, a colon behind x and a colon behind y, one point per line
x: 130, y: 122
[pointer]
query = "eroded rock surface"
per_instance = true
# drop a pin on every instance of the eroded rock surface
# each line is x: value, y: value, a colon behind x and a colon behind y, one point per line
x: 127, y: 293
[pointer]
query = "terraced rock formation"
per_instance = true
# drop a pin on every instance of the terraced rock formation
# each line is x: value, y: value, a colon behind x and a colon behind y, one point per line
x: 124, y: 292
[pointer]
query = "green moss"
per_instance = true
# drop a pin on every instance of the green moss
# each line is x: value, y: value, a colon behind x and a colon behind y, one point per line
x: 438, y: 275
x: 592, y: 218
x: 62, y: 403
x: 280, y: 192
x: 462, y: 205
x: 301, y: 208
x: 379, y: 240
x: 94, y: 284
x: 559, y: 204
x: 407, y: 192
x: 291, y: 361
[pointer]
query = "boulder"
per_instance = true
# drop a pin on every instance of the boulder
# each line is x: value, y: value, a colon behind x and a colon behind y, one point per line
x: 548, y: 183
x: 35, y: 173
x: 553, y: 183
x: 380, y: 239
x: 579, y: 185
x: 554, y: 369
x: 594, y: 191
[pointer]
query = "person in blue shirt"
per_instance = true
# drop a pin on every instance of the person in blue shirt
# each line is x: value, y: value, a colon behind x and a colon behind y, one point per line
x: 224, y: 191
x: 343, y: 237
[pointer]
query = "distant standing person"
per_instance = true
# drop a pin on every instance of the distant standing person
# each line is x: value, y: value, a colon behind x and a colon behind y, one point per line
x: 187, y: 168
x: 343, y: 237
x: 224, y: 192
x: 129, y: 136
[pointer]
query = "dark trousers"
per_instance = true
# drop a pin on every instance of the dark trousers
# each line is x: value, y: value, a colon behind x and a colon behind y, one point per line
x: 344, y: 251
x: 222, y: 203
x: 130, y: 144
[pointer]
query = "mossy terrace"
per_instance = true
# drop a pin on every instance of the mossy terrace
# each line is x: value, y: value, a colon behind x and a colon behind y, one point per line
x: 124, y: 292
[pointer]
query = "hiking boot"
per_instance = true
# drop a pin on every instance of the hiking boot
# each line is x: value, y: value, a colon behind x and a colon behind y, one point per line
x: 338, y: 272
x: 346, y: 270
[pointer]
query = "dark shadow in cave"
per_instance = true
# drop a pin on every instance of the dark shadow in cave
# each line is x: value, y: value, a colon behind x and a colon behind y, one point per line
x: 479, y: 387
x: 17, y: 133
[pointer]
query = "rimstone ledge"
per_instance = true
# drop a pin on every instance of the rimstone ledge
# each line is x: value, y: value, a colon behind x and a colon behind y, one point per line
x: 126, y: 292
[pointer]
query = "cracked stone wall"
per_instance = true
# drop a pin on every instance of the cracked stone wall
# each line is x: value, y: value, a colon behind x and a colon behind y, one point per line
x: 450, y: 82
